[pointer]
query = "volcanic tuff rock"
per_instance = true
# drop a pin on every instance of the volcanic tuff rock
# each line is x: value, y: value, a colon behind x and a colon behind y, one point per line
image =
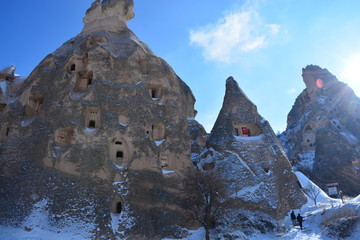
x: 112, y: 118
x: 243, y: 148
x: 323, y: 131
x: 102, y: 133
x: 109, y: 15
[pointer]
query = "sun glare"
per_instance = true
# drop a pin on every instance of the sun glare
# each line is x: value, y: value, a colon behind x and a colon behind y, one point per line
x: 351, y: 74
x: 319, y: 83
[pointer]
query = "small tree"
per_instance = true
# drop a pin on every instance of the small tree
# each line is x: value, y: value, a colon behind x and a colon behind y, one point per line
x: 312, y: 191
x: 206, y: 190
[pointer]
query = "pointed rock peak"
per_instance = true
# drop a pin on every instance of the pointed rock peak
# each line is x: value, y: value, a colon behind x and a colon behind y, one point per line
x: 10, y: 70
x: 237, y: 103
x: 230, y: 79
x: 316, y: 78
x: 237, y: 112
x: 233, y: 89
x: 8, y: 73
x: 108, y: 15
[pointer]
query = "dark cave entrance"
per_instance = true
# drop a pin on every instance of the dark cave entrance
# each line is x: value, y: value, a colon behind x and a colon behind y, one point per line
x: 91, y: 124
x: 119, y: 154
x: 118, y: 208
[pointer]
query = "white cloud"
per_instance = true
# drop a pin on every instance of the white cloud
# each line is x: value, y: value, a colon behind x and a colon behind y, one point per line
x: 236, y: 33
x: 291, y: 91
x: 274, y: 28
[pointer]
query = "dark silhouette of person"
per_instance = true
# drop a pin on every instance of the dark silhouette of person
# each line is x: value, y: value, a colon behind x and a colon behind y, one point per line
x: 300, y: 220
x: 293, y: 218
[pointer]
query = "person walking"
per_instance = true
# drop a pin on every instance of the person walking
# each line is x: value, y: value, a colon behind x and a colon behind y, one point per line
x: 293, y: 218
x: 300, y: 220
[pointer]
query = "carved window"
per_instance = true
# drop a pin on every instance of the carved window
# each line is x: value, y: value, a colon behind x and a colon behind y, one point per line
x: 91, y: 124
x: 7, y: 130
x: 119, y: 154
x: 119, y: 151
x: 155, y: 91
x: 158, y: 132
x: 63, y: 136
x: 33, y: 105
x: 92, y: 117
x: 236, y: 131
x: 308, y: 128
x: 4, y: 131
x: 83, y: 80
x: 164, y: 163
x: 116, y: 206
x: 72, y: 67
x: 356, y: 164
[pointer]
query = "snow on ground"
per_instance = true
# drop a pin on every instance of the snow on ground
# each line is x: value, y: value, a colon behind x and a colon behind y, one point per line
x: 166, y: 171
x: 307, y: 160
x: 198, y: 234
x: 158, y: 143
x: 37, y: 226
x: 313, y: 215
x: 250, y: 138
x: 90, y: 131
x: 306, y: 183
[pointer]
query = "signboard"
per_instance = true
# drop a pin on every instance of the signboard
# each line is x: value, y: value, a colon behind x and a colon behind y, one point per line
x: 332, y: 191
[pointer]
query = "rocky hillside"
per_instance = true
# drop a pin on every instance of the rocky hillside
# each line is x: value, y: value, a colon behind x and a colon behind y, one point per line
x: 99, y: 129
x: 102, y: 134
x: 243, y: 149
x: 323, y: 131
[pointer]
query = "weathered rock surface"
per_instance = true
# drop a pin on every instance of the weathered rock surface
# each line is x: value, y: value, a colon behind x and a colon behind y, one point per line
x: 7, y: 73
x: 109, y: 15
x: 102, y: 133
x: 243, y: 148
x: 322, y: 134
x: 101, y: 124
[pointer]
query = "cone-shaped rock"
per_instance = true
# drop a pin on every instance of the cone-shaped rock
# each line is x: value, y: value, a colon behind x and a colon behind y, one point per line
x: 246, y: 151
x: 323, y: 134
x: 236, y: 109
x: 99, y: 133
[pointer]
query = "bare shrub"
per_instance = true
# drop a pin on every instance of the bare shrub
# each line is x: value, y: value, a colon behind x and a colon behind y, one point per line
x: 206, y: 190
x: 313, y: 192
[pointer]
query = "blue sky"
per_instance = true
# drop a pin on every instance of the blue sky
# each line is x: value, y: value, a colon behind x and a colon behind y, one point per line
x: 263, y: 44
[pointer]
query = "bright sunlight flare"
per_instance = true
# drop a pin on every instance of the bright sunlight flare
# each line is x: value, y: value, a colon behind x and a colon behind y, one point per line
x: 351, y: 73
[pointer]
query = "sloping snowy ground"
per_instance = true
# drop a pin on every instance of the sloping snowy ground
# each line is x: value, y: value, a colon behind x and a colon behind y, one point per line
x: 313, y: 217
x: 37, y: 226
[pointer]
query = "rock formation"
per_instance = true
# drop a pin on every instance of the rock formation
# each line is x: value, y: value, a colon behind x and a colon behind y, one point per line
x: 322, y: 134
x: 108, y: 15
x: 100, y: 124
x: 243, y: 148
x: 8, y: 73
x: 102, y: 134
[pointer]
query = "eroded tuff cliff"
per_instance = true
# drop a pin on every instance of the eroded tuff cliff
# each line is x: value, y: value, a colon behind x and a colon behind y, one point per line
x: 322, y: 134
x: 102, y: 134
x: 99, y: 128
x: 244, y: 150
